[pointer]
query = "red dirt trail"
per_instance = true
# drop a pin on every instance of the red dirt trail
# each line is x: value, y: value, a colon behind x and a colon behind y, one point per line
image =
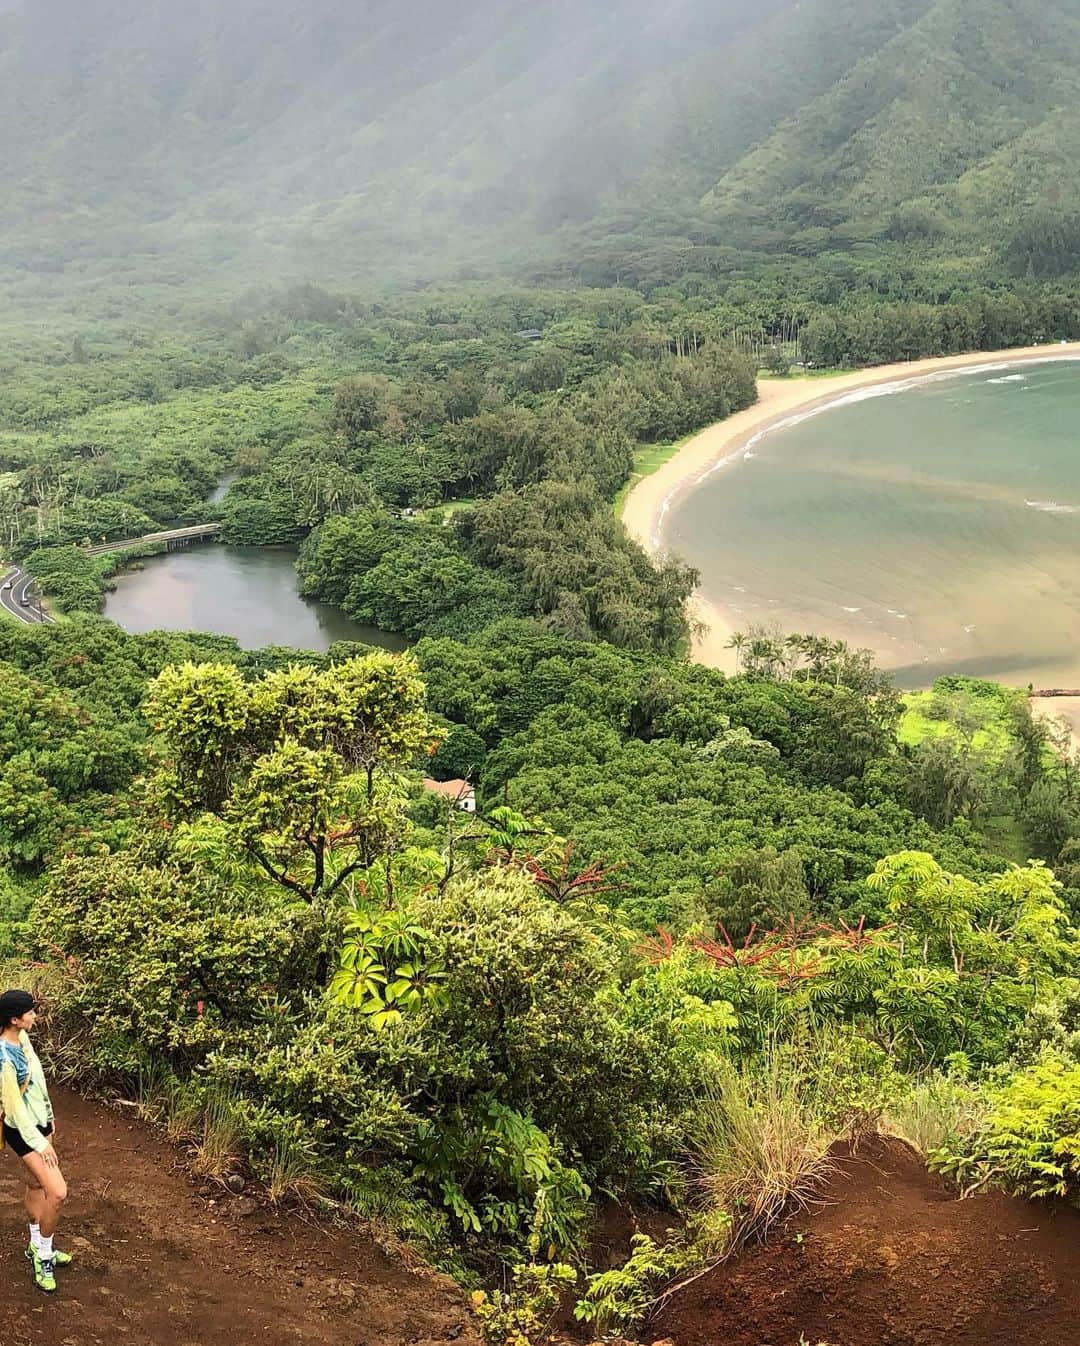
x: 893, y: 1259
x: 158, y: 1265
x: 890, y: 1259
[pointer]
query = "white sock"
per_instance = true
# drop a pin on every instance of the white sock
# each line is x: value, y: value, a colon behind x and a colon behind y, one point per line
x: 35, y: 1234
x: 44, y: 1247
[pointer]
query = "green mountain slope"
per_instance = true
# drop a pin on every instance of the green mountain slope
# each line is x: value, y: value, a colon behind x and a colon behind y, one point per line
x: 336, y: 123
x: 961, y: 126
x: 624, y: 139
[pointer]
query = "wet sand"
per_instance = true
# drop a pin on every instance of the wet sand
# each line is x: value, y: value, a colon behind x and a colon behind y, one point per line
x: 647, y: 505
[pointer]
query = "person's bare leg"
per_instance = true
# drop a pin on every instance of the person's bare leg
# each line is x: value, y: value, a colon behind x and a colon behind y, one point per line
x: 34, y: 1200
x: 53, y: 1192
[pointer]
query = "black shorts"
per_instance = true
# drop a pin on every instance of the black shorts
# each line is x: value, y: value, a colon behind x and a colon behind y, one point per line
x: 13, y: 1138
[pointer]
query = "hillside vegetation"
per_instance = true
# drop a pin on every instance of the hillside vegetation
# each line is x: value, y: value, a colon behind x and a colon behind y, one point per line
x: 700, y: 927
x: 958, y: 121
x: 892, y: 142
x: 681, y: 890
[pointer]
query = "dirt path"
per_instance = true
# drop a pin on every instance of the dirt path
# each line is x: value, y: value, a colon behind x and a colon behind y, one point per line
x: 895, y: 1260
x: 891, y: 1259
x: 156, y: 1263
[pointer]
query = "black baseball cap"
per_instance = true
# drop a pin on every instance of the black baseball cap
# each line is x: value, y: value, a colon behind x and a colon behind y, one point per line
x: 14, y: 1004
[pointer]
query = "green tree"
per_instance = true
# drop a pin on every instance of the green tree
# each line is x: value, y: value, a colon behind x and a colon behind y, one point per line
x: 299, y: 769
x: 460, y: 756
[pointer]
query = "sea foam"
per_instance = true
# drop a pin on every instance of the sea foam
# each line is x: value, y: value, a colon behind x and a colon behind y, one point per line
x: 1052, y: 507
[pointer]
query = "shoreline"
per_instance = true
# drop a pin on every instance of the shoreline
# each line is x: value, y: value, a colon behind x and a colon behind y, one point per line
x: 1065, y: 709
x: 780, y: 401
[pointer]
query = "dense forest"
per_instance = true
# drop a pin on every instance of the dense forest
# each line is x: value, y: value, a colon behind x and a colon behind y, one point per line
x: 259, y: 276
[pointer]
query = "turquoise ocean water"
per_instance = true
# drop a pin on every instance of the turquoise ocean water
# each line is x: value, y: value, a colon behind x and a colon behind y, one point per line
x: 937, y: 524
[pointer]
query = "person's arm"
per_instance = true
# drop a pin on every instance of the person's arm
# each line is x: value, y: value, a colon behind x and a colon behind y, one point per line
x: 16, y: 1113
x: 37, y: 1074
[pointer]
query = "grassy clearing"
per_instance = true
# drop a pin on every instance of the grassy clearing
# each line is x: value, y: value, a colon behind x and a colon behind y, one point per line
x: 801, y: 375
x: 966, y: 708
x: 943, y: 714
x: 1005, y: 837
x: 980, y: 715
x: 449, y: 508
x: 648, y: 458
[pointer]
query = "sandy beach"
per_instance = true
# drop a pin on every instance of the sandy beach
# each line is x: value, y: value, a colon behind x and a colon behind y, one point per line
x: 1066, y: 708
x: 778, y: 401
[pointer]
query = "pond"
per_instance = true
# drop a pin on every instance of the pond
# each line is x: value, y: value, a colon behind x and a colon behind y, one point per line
x: 246, y: 592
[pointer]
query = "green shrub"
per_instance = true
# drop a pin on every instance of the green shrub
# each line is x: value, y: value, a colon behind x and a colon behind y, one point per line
x: 498, y: 1097
x: 384, y: 972
x: 521, y: 1316
x: 15, y: 902
x: 936, y: 1113
x: 159, y: 961
x: 624, y: 1295
x: 1029, y: 1141
x: 1052, y: 1027
x: 499, y: 1175
x: 527, y: 1017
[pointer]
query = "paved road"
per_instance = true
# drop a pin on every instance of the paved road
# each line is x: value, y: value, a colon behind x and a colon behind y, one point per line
x: 11, y: 597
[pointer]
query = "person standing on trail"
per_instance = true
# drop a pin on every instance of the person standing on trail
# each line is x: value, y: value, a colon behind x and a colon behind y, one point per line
x: 29, y: 1130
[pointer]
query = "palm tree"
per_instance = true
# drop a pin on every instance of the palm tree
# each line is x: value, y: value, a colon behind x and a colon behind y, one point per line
x: 795, y: 645
x: 765, y: 653
x: 737, y: 642
x: 839, y: 652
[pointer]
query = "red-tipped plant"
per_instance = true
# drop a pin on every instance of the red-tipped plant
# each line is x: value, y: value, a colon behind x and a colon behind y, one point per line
x: 656, y: 948
x: 561, y: 885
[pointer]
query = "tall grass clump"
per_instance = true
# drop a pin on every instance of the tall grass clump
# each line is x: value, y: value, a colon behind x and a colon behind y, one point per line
x: 289, y: 1171
x: 761, y: 1143
x: 164, y: 1100
x: 937, y: 1112
x: 217, y: 1146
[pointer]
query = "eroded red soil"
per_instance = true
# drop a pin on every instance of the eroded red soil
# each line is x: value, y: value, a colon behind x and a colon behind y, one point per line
x: 893, y: 1259
x: 889, y: 1259
x: 158, y: 1264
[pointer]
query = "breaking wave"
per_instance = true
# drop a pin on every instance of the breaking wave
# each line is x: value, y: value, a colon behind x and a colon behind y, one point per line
x: 1052, y: 507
